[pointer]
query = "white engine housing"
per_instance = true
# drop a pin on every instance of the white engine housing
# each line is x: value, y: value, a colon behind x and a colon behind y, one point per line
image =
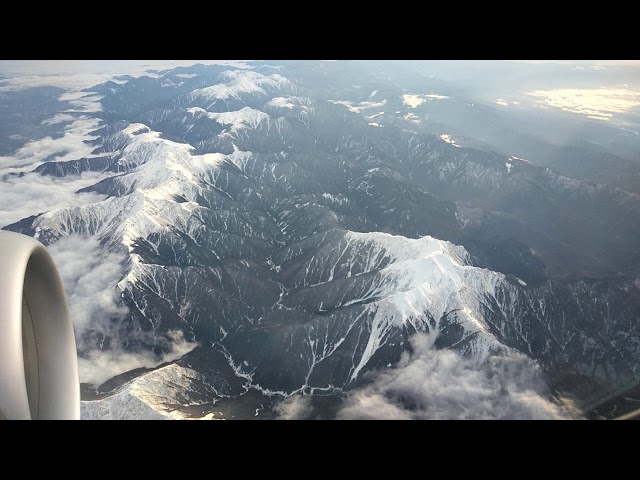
x: 38, y: 359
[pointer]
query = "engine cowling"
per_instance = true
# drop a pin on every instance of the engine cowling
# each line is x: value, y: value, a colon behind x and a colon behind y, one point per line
x: 38, y: 359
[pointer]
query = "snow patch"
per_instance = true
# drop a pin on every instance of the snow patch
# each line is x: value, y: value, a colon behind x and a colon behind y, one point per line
x: 425, y: 279
x: 412, y: 117
x: 449, y: 139
x: 246, y: 117
x: 360, y: 106
x: 436, y: 97
x: 241, y: 82
x: 281, y: 102
x: 413, y: 100
x: 513, y: 157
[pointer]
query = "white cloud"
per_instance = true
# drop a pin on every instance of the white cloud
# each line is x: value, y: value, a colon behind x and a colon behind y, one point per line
x: 80, y: 74
x: 70, y: 146
x: 441, y: 384
x: 295, y: 407
x: 82, y: 102
x: 597, y: 103
x: 412, y: 101
x: 33, y: 193
x: 102, y: 365
x: 587, y: 63
x: 90, y: 274
x: 59, y: 118
x: 369, y: 405
x: 71, y: 82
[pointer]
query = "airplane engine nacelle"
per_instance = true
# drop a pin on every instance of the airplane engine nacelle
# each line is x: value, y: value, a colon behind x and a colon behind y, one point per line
x: 38, y: 359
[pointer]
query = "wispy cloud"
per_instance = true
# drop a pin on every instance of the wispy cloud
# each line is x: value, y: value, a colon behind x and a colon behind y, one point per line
x: 431, y: 383
x: 82, y: 102
x: 295, y: 407
x: 70, y: 146
x: 59, y: 118
x: 33, y: 193
x: 98, y: 366
x: 441, y: 384
x: 90, y: 274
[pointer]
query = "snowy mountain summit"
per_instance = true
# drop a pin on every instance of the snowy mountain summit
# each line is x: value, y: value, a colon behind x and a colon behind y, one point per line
x: 261, y: 245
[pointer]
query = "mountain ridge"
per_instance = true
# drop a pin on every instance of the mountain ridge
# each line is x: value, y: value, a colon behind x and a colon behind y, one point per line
x: 304, y: 246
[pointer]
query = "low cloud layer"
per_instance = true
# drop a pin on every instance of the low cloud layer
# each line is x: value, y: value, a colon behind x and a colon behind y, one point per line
x: 82, y: 102
x: 68, y: 81
x: 431, y: 384
x: 98, y: 366
x: 295, y: 407
x: 90, y: 274
x: 33, y: 193
x: 80, y: 74
x: 597, y: 103
x: 70, y: 146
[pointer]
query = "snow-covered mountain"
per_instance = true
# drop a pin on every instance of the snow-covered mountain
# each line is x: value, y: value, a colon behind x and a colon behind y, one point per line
x: 295, y: 245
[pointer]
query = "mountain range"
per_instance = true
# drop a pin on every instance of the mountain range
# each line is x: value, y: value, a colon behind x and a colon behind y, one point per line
x: 296, y: 227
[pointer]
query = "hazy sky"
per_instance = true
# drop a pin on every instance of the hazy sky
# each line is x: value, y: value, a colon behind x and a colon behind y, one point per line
x: 113, y: 67
x: 79, y: 74
x: 121, y: 67
x: 588, y: 62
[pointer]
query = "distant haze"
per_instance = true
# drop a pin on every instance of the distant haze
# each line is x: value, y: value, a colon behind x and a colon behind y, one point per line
x: 84, y: 73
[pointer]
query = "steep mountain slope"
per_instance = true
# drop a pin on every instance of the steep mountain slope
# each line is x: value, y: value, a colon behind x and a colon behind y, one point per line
x: 301, y: 246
